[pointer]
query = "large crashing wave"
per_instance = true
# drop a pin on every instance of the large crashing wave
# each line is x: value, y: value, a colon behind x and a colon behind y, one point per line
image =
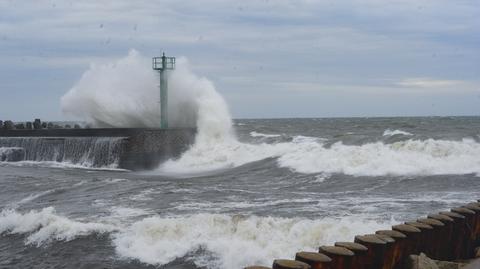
x: 234, y: 241
x: 215, y: 240
x: 409, y: 157
x: 313, y: 156
x: 125, y: 94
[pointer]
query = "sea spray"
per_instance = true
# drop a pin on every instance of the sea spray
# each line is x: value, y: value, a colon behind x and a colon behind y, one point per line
x: 119, y: 94
x: 125, y: 93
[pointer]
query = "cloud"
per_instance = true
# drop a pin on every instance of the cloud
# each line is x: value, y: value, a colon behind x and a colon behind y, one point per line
x: 401, y: 47
x: 429, y: 83
x: 435, y: 87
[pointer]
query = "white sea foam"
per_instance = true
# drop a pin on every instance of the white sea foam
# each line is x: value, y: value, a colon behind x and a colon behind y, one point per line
x: 411, y: 157
x: 194, y: 101
x: 135, y: 87
x: 45, y: 225
x: 302, y: 155
x: 233, y: 241
x: 389, y: 132
x: 257, y: 134
x: 216, y: 147
x: 223, y: 155
x: 321, y: 178
x: 225, y: 241
x: 62, y: 165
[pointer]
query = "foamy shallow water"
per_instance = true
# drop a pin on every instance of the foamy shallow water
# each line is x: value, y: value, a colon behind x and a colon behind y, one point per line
x: 284, y: 186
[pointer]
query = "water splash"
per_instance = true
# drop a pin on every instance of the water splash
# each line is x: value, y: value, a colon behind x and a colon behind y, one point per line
x: 125, y: 94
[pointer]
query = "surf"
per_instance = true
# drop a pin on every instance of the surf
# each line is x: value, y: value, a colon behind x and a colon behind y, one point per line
x: 195, y: 102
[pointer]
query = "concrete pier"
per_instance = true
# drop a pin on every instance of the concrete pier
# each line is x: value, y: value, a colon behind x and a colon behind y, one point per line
x: 139, y: 149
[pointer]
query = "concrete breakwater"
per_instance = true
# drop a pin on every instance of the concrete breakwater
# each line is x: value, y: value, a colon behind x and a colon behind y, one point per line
x: 445, y: 236
x: 127, y: 148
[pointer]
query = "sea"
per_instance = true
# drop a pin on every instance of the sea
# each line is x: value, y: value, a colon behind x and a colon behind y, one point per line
x: 272, y: 188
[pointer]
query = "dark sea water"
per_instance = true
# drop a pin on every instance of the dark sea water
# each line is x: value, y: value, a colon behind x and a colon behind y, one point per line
x: 285, y: 185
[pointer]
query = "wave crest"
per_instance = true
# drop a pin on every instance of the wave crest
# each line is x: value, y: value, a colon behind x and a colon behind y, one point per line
x: 410, y: 157
x: 389, y: 132
x: 45, y: 225
x: 233, y: 241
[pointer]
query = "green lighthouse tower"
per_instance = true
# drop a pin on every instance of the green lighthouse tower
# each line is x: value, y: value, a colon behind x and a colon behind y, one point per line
x: 162, y: 64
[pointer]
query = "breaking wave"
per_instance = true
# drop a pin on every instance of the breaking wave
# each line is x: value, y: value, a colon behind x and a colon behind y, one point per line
x: 310, y: 156
x: 257, y: 134
x: 389, y: 132
x: 195, y: 102
x: 223, y: 241
x: 233, y: 241
x: 410, y: 157
x: 135, y: 87
x: 44, y: 226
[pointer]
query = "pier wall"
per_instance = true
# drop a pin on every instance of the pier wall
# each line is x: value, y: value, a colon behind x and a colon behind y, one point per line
x: 135, y: 148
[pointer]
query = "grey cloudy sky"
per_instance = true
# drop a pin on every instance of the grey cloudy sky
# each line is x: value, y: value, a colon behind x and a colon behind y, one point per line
x: 267, y: 58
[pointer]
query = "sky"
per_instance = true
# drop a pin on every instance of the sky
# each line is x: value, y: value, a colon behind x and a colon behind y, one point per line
x: 269, y: 59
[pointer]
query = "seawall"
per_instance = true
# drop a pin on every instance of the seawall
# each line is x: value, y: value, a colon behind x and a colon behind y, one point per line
x: 128, y: 148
